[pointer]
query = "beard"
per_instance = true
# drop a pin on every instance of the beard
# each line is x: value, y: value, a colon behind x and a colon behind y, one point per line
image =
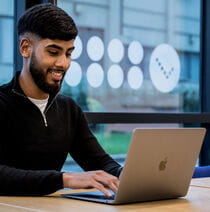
x: 39, y: 77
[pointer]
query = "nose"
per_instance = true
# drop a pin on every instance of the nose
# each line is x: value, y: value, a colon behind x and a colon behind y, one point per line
x: 62, y: 62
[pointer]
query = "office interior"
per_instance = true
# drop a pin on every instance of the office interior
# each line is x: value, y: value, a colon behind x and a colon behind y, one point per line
x: 121, y: 46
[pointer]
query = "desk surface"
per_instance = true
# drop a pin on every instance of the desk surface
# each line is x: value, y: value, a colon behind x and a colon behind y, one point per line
x: 197, y: 199
x: 201, y: 182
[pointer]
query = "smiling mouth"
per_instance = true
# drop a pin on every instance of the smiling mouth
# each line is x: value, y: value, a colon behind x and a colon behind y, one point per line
x: 56, y: 75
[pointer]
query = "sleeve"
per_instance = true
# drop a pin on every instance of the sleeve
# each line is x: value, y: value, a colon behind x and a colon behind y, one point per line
x: 88, y: 153
x: 28, y: 182
x: 15, y: 181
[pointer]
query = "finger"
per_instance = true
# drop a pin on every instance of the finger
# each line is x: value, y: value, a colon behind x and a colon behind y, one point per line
x: 117, y: 183
x: 101, y: 188
x: 113, y: 187
x: 108, y: 181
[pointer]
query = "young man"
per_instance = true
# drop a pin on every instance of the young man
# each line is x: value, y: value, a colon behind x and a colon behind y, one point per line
x: 39, y: 127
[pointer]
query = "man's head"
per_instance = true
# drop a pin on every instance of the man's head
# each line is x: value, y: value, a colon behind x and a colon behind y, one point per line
x: 47, y: 21
x: 47, y: 36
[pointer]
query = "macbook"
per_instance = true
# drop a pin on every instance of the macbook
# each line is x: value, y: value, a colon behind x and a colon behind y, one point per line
x: 159, y: 165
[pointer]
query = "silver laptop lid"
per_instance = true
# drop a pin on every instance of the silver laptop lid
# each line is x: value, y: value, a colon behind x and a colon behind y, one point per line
x: 159, y: 164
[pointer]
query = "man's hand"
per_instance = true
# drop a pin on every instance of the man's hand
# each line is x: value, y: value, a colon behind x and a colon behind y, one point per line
x: 92, y: 179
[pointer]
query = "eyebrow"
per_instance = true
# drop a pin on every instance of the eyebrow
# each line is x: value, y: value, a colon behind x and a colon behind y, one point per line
x: 58, y: 47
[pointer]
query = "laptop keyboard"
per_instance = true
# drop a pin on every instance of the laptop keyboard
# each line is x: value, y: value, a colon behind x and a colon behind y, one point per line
x: 99, y: 196
x: 106, y: 197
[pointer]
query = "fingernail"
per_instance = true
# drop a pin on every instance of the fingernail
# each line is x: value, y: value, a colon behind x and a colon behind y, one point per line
x: 109, y: 194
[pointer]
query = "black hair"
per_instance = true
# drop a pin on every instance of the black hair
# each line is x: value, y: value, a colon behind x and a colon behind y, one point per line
x: 47, y: 21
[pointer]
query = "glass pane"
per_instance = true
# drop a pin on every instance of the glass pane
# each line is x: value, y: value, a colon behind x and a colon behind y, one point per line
x: 7, y: 8
x: 136, y: 56
x: 6, y: 41
x: 115, y: 140
x: 6, y: 73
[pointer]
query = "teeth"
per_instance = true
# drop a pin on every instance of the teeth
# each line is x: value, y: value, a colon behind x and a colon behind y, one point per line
x: 57, y: 73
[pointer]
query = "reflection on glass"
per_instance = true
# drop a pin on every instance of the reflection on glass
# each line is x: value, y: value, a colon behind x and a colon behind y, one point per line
x: 135, y: 52
x: 135, y: 77
x: 95, y: 75
x: 115, y: 76
x: 115, y: 50
x: 74, y: 74
x: 78, y: 48
x: 164, y: 68
x: 131, y: 34
x: 95, y: 48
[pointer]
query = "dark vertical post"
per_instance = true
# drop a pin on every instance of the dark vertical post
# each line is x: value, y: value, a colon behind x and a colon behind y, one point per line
x: 205, y: 77
x: 19, y: 8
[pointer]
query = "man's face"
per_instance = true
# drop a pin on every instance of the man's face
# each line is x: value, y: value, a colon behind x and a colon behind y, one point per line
x: 49, y: 62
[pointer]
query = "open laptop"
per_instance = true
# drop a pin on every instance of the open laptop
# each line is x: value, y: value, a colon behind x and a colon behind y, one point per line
x: 159, y: 165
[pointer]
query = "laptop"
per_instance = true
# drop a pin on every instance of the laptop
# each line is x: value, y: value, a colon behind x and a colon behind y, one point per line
x: 159, y: 165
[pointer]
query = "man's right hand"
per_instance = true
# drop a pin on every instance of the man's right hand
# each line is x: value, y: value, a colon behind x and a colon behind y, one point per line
x: 92, y: 179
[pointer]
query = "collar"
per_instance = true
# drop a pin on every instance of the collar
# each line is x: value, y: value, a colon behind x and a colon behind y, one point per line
x: 15, y: 85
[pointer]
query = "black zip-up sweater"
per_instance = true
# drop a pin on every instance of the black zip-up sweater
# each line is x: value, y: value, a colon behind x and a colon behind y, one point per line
x: 34, y: 148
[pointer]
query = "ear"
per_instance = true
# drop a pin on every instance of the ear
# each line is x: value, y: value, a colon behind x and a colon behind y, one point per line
x: 25, y: 47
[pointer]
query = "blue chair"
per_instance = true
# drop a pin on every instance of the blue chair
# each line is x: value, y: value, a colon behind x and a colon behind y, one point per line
x: 201, y: 171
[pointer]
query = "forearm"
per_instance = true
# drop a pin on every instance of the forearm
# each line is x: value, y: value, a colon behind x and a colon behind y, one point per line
x: 28, y: 182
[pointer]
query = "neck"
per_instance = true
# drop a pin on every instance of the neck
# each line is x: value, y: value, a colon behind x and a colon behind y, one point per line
x: 29, y: 87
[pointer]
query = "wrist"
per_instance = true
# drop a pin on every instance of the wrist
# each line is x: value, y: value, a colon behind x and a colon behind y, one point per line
x: 67, y: 177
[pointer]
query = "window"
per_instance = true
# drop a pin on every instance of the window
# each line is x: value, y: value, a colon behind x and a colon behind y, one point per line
x: 136, y: 56
x: 6, y: 40
x: 119, y: 56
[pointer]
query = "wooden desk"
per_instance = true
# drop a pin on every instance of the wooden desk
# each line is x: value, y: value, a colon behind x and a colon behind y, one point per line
x: 197, y: 200
x: 201, y: 182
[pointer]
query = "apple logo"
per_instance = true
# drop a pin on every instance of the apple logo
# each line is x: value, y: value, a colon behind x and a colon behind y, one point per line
x: 162, y: 165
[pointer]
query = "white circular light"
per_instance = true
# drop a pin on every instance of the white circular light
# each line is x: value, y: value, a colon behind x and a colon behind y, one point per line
x: 95, y: 48
x: 95, y: 75
x: 135, y: 52
x: 78, y: 48
x: 115, y: 50
x: 74, y: 74
x: 115, y: 76
x: 164, y: 68
x: 135, y: 77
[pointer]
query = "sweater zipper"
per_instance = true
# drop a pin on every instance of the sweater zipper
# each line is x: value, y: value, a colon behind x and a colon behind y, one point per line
x: 45, y: 120
x: 46, y: 109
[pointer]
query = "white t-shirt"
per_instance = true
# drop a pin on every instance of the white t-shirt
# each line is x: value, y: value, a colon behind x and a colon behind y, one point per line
x: 40, y: 103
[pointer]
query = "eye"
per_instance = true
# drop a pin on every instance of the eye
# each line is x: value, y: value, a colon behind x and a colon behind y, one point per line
x: 53, y: 52
x: 68, y: 54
